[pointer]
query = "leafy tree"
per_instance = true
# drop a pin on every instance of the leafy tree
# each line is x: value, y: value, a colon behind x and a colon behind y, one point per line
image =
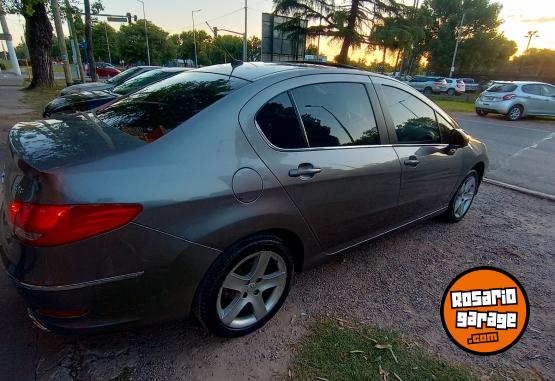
x: 186, y: 47
x: 311, y: 49
x: 131, y: 43
x: 344, y: 23
x: 536, y: 62
x: 254, y: 44
x: 39, y: 39
x: 102, y: 34
x: 481, y: 45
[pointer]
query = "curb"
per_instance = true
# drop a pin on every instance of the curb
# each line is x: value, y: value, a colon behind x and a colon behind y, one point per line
x: 516, y: 188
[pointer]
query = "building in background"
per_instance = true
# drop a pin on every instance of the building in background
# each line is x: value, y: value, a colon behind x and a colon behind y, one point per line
x: 279, y: 45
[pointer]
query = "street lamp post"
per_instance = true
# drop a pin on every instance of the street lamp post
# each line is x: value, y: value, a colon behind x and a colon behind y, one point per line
x: 195, y: 35
x: 529, y: 35
x: 146, y: 32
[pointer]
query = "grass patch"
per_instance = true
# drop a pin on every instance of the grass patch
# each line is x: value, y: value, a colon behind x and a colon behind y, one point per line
x: 336, y: 351
x: 37, y: 98
x: 464, y: 103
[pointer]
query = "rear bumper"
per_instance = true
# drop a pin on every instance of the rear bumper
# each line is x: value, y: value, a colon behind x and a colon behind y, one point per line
x: 151, y: 277
x: 493, y: 107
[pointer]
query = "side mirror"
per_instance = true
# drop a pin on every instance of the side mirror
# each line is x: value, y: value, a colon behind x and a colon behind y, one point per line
x: 458, y: 138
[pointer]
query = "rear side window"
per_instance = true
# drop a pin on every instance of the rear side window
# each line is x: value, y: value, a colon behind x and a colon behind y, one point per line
x: 159, y: 108
x: 532, y: 89
x: 414, y: 120
x: 502, y: 88
x: 142, y: 80
x: 278, y: 121
x: 336, y: 114
x: 123, y: 76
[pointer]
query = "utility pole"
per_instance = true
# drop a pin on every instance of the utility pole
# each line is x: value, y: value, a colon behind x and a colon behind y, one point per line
x: 146, y: 32
x: 8, y: 37
x: 107, y: 42
x: 456, y: 47
x: 72, y: 32
x: 195, y: 35
x: 245, y: 36
x: 61, y: 41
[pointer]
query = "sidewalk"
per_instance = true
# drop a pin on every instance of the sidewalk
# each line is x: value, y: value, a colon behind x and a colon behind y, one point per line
x: 10, y: 96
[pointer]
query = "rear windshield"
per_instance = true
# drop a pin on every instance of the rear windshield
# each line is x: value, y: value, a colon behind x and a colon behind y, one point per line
x: 157, y: 109
x: 142, y: 80
x: 123, y: 76
x: 502, y: 88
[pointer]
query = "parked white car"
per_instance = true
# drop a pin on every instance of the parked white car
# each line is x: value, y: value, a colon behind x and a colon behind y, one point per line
x: 455, y: 86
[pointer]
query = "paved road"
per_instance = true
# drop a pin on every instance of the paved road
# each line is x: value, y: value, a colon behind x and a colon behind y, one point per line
x: 521, y: 153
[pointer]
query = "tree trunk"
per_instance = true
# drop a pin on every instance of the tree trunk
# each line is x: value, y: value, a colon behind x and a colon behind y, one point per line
x: 350, y: 32
x: 383, y: 58
x: 88, y: 38
x: 39, y: 41
x: 397, y: 61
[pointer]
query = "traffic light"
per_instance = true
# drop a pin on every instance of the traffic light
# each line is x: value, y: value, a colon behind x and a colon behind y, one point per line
x: 135, y: 18
x: 128, y: 15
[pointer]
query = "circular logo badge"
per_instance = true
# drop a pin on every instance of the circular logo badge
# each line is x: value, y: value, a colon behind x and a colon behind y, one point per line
x: 485, y: 310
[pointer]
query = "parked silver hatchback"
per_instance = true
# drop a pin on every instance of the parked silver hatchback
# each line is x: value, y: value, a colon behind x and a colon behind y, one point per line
x: 517, y: 99
x: 207, y: 192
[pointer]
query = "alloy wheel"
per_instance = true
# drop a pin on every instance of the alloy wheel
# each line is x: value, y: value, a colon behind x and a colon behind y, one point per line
x: 251, y: 289
x: 464, y: 197
x: 514, y: 113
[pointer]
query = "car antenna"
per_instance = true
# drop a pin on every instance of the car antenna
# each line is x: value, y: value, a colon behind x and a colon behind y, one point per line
x: 235, y: 63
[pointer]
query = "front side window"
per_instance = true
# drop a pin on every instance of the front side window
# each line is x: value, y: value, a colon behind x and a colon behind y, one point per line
x: 336, y: 114
x: 159, y: 108
x: 414, y: 120
x: 278, y: 121
x: 445, y: 128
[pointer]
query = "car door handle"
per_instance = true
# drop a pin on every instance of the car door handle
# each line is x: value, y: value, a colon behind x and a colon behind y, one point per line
x: 306, y: 170
x: 412, y: 161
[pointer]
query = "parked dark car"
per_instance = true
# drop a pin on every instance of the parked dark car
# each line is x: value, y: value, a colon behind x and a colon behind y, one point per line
x: 207, y: 192
x: 89, y: 100
x: 109, y: 83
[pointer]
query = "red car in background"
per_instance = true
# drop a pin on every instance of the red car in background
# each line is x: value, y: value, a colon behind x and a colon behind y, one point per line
x: 104, y: 69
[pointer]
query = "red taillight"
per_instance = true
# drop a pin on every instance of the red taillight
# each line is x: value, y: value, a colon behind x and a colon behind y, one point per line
x: 50, y: 225
x: 509, y: 96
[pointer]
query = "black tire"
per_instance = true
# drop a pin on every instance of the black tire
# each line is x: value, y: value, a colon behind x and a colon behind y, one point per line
x: 450, y: 92
x: 208, y: 292
x: 450, y: 214
x: 428, y: 91
x: 481, y: 112
x: 514, y: 113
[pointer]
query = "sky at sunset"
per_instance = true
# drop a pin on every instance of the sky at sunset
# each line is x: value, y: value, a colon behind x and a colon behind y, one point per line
x: 175, y: 16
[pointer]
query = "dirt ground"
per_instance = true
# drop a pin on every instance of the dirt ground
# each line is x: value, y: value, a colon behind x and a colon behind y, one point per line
x: 395, y: 282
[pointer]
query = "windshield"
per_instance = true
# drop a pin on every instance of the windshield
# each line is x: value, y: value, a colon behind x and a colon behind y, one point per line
x: 157, y: 109
x: 142, y: 80
x: 502, y: 88
x: 123, y: 76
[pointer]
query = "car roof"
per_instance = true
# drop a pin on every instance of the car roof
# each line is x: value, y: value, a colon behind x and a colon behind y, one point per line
x: 252, y: 71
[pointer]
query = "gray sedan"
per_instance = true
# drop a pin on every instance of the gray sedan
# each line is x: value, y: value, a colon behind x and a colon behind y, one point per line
x: 517, y: 99
x: 207, y: 192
